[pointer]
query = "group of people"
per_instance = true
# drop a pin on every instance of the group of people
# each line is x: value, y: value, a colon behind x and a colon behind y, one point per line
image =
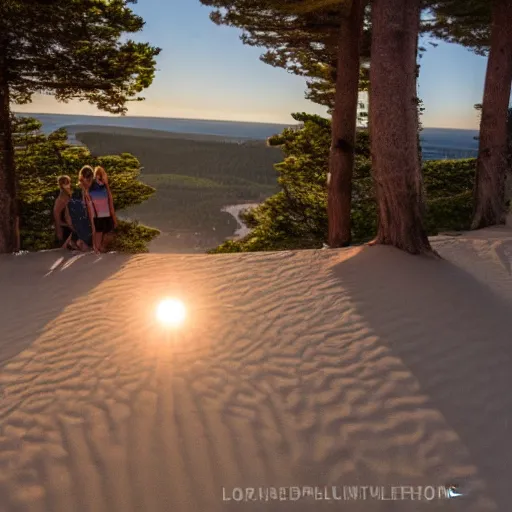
x: 85, y: 218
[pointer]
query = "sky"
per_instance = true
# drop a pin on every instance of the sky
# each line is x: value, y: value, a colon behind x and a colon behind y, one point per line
x: 205, y: 72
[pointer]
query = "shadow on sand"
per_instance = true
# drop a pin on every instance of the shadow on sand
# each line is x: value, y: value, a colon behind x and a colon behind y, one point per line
x: 36, y: 287
x: 455, y: 336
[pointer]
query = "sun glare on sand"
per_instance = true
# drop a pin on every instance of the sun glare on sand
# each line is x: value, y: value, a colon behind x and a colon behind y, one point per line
x: 171, y: 312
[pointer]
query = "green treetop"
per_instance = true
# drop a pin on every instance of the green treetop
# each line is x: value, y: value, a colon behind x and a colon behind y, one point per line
x: 303, y: 41
x: 465, y: 22
x: 74, y: 49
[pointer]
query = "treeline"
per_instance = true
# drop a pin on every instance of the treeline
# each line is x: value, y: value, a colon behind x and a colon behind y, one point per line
x: 296, y: 217
x: 330, y: 42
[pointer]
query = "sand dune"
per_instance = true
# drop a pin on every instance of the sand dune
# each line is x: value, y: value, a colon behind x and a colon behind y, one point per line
x: 362, y: 366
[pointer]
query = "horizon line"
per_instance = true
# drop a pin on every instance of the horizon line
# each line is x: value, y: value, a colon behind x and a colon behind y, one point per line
x: 155, y: 117
x: 208, y: 120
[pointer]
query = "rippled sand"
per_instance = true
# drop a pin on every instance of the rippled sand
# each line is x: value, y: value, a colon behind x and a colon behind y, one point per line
x: 362, y: 366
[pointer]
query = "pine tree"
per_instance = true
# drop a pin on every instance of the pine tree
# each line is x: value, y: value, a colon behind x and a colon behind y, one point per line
x: 323, y: 40
x: 344, y: 121
x: 484, y: 26
x: 464, y: 22
x: 69, y: 49
x: 394, y: 125
x: 492, y: 155
x: 301, y: 40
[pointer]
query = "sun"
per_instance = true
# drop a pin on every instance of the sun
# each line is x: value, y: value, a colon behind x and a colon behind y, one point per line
x: 171, y: 312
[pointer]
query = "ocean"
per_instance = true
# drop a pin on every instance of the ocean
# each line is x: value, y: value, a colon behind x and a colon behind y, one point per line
x: 437, y: 143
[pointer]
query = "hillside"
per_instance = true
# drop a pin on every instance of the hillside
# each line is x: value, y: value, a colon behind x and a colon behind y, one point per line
x: 195, y: 176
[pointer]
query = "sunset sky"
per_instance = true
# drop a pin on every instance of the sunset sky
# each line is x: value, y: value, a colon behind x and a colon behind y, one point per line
x: 205, y: 72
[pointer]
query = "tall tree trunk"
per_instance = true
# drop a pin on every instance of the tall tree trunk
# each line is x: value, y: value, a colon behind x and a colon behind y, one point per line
x: 8, y: 210
x: 492, y: 155
x: 344, y: 121
x: 394, y: 125
x: 508, y: 178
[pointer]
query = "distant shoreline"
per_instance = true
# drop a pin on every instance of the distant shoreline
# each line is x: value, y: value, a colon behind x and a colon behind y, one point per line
x: 186, y: 119
x: 437, y: 143
x: 199, y: 120
x: 432, y: 149
x: 76, y: 130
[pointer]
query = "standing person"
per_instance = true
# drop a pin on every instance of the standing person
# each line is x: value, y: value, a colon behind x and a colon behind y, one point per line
x: 63, y: 224
x: 105, y: 221
x: 80, y: 211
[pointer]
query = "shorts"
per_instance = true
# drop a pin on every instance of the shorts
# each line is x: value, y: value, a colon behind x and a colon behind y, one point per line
x: 103, y: 224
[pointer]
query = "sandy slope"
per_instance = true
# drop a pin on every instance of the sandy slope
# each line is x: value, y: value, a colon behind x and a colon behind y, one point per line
x: 363, y: 366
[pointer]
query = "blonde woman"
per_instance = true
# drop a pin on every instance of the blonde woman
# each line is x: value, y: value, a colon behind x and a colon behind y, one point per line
x: 105, y: 221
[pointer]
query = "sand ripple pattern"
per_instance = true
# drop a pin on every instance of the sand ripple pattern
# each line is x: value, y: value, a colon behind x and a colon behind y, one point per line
x: 356, y: 367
